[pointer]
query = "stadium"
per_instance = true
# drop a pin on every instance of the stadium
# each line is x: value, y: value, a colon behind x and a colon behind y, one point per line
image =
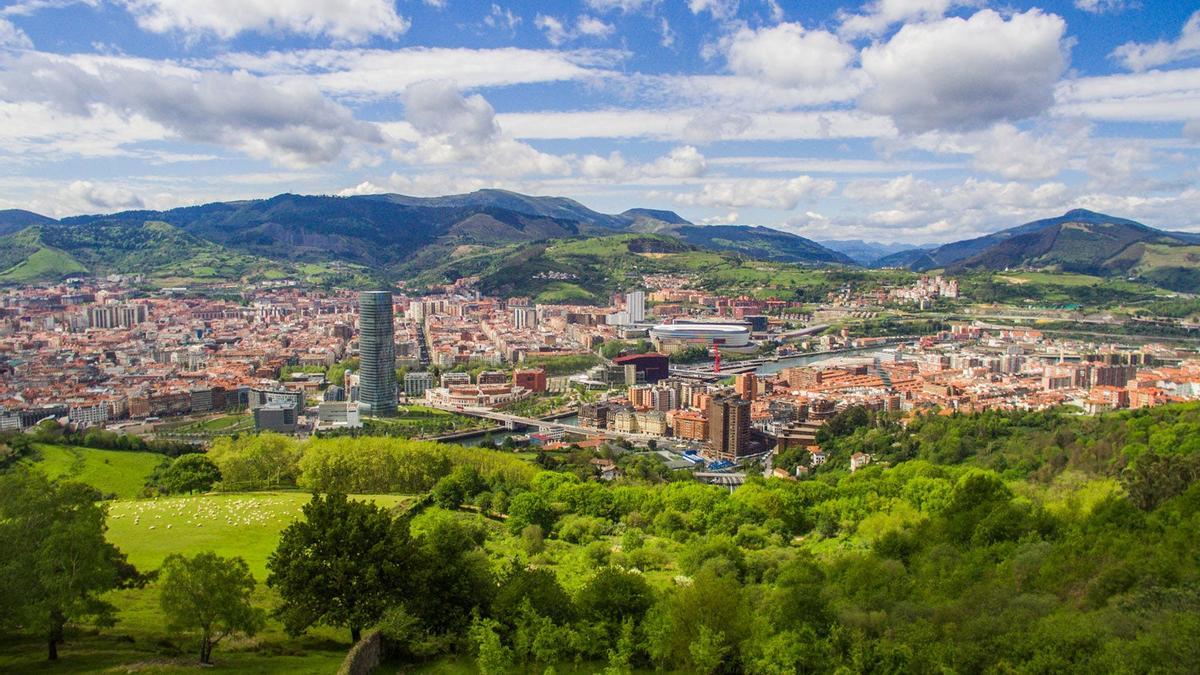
x: 675, y: 336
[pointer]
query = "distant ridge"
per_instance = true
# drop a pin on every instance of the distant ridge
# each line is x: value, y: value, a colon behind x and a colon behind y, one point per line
x: 1079, y: 241
x: 389, y: 235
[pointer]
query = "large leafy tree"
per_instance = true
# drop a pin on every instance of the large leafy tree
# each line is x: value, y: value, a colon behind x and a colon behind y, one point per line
x: 343, y: 565
x: 209, y: 594
x: 55, y: 564
x: 189, y: 473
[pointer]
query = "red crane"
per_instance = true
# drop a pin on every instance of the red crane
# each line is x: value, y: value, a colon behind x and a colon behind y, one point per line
x: 716, y: 357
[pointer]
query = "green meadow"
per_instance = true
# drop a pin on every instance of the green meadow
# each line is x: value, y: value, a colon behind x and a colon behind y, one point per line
x: 112, y: 472
x: 149, y: 530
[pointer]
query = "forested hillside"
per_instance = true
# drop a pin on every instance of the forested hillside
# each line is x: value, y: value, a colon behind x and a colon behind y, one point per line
x: 1002, y: 542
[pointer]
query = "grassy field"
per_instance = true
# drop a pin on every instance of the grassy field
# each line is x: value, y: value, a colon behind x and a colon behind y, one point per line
x: 1051, y: 278
x: 109, y: 471
x: 246, y: 525
x: 564, y: 292
x: 45, y: 263
x: 225, y: 424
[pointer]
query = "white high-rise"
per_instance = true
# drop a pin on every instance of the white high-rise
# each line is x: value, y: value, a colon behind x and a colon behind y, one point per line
x: 635, y: 305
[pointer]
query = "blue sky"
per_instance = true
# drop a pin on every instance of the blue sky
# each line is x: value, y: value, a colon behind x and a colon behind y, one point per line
x: 894, y: 120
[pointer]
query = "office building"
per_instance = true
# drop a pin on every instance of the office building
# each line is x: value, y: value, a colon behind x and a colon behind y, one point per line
x: 647, y: 367
x: 377, y: 353
x: 729, y: 426
x: 415, y: 384
x: 635, y: 306
x: 744, y: 384
x: 533, y: 380
x: 278, y: 418
x: 338, y: 415
x: 267, y: 398
x: 524, y: 317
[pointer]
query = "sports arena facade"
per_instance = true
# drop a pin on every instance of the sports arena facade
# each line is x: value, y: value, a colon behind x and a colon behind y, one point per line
x: 672, y: 337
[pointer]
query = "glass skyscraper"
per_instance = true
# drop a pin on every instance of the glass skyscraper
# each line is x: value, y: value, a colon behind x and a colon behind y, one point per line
x: 377, y: 351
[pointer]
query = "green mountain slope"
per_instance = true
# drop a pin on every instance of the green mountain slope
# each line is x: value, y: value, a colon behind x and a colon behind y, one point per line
x: 1079, y: 241
x: 400, y: 236
x: 161, y: 252
x: 26, y: 257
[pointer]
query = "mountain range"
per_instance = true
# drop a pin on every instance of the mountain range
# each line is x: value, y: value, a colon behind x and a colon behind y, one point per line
x: 1079, y: 241
x: 389, y: 237
x: 867, y: 252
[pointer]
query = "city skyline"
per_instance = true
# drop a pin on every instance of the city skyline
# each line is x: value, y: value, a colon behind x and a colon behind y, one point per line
x: 828, y: 120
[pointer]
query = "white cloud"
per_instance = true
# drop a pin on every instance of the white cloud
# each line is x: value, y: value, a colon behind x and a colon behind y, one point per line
x: 626, y: 6
x: 556, y: 32
x: 501, y: 17
x: 419, y: 185
x: 882, y: 14
x: 687, y: 125
x: 344, y: 20
x: 682, y: 162
x: 611, y: 167
x: 738, y: 94
x: 1139, y: 56
x: 666, y: 35
x: 29, y: 130
x: 437, y: 108
x: 1153, y: 96
x: 289, y: 123
x: 727, y: 219
x: 106, y: 197
x: 1005, y: 150
x: 12, y: 37
x: 456, y: 129
x: 769, y: 193
x: 918, y: 207
x: 833, y: 165
x: 1191, y: 130
x: 719, y: 9
x: 1101, y: 6
x: 787, y: 55
x: 385, y: 73
x: 27, y: 7
x: 585, y: 26
x: 966, y: 73
x: 593, y: 27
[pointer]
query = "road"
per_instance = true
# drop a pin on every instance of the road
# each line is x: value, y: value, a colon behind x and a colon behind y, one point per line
x: 508, y: 419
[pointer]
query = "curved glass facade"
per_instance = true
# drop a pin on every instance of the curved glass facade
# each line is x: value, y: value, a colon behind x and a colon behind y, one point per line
x: 377, y: 351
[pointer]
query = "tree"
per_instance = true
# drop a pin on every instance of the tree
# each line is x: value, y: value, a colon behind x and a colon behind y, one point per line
x: 258, y: 461
x: 55, y: 563
x: 493, y: 657
x: 189, y: 473
x: 708, y: 650
x: 343, y: 565
x: 451, y: 577
x: 613, y: 597
x: 529, y: 508
x: 210, y: 594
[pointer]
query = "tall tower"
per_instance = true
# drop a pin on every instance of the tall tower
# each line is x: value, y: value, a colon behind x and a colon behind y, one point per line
x: 729, y: 426
x: 377, y: 350
x: 635, y: 304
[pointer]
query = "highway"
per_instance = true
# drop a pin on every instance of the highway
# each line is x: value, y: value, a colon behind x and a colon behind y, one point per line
x: 514, y: 420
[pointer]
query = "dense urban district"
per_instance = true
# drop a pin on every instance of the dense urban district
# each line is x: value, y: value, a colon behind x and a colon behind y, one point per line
x: 629, y: 451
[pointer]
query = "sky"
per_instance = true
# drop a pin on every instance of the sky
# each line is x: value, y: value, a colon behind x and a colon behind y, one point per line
x: 912, y: 121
